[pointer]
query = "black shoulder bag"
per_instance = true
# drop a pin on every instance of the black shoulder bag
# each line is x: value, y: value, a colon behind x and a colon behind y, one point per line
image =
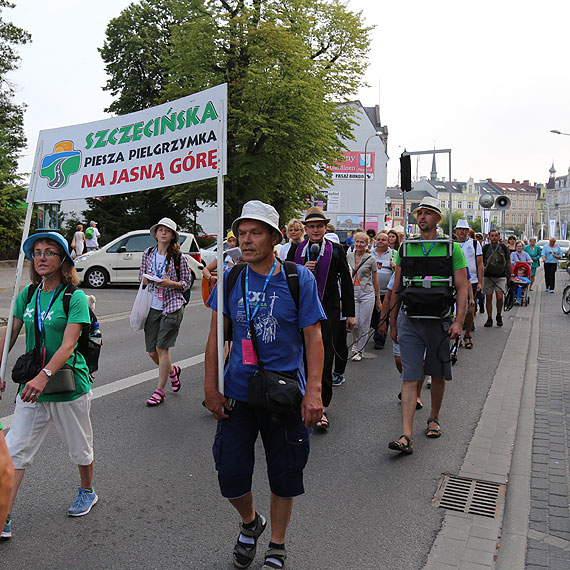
x: 270, y: 390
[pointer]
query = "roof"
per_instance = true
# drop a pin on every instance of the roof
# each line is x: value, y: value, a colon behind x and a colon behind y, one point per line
x: 514, y: 187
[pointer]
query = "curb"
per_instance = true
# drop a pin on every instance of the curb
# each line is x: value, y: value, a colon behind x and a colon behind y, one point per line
x: 468, y: 541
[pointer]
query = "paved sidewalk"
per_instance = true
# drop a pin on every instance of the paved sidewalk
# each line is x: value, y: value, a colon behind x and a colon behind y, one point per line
x: 549, y: 526
x: 522, y: 440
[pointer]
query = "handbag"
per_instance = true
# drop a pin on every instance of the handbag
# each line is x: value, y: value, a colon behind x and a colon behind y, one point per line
x: 270, y: 390
x: 141, y: 307
x: 30, y: 364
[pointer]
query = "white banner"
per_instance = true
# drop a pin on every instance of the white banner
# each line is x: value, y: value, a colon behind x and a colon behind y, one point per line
x: 172, y: 143
x: 552, y: 227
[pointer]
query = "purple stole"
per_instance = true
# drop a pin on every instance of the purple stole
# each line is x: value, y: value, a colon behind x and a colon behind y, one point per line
x: 322, y: 270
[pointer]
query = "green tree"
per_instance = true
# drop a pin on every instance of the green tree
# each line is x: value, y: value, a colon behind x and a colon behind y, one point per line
x: 287, y: 65
x: 12, y: 139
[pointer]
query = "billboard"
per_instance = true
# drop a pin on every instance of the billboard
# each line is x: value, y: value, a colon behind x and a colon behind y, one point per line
x: 353, y: 165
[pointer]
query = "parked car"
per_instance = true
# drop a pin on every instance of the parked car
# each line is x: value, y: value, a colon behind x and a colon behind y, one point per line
x: 209, y: 253
x: 119, y: 261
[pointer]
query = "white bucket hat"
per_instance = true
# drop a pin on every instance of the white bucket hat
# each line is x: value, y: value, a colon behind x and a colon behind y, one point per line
x: 462, y: 224
x: 257, y: 210
x: 429, y: 203
x: 167, y: 223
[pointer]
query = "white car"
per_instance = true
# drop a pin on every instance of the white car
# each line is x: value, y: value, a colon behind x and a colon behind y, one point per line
x: 119, y: 261
x: 209, y: 254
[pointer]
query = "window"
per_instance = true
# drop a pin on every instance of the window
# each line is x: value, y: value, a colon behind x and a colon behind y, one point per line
x: 526, y: 204
x: 469, y: 205
x: 442, y: 204
x: 519, y: 218
x: 459, y: 204
x: 139, y: 243
x: 397, y: 211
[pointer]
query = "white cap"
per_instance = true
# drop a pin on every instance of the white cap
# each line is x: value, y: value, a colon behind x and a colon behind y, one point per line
x: 462, y: 224
x: 257, y: 210
x: 167, y: 223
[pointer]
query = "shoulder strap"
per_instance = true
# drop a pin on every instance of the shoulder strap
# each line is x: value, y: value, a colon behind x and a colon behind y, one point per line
x: 177, y: 265
x: 292, y: 280
x: 67, y: 298
x: 232, y: 277
x: 31, y: 290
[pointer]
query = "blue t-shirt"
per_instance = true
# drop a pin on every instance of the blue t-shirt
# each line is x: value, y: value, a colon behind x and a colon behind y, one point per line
x: 547, y: 251
x: 277, y: 326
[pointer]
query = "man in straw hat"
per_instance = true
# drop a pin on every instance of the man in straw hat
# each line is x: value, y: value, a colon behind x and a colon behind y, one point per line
x: 261, y: 300
x: 327, y: 261
x: 424, y: 330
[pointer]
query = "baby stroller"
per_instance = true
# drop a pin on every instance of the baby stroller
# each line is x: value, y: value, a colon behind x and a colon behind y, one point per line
x: 517, y: 293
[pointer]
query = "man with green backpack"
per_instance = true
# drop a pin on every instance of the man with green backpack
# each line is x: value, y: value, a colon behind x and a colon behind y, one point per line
x: 92, y: 235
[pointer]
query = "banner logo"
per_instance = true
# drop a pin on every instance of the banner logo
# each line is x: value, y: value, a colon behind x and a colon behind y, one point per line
x: 60, y: 165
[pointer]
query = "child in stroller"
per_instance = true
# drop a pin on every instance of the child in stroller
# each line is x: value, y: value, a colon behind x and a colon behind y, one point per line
x: 520, y: 283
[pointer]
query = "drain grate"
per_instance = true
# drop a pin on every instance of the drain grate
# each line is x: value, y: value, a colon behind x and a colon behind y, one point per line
x: 471, y: 496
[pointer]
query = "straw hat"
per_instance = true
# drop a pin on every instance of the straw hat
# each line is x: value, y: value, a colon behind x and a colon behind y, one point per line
x: 316, y: 214
x: 429, y: 203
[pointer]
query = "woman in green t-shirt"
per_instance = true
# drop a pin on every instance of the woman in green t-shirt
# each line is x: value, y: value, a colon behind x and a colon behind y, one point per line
x: 51, y: 272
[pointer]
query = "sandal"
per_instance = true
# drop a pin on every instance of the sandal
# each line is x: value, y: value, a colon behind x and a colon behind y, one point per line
x: 157, y: 398
x: 419, y: 404
x: 274, y: 559
x: 323, y: 424
x: 432, y: 432
x: 244, y: 553
x: 175, y: 378
x: 468, y: 342
x: 397, y: 445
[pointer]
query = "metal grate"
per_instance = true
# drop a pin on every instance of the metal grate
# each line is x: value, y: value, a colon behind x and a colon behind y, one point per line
x: 471, y: 496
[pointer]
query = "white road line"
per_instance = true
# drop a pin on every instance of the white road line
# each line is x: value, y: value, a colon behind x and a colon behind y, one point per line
x: 124, y: 383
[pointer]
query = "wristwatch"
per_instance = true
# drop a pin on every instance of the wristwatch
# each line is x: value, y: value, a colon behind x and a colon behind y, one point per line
x: 48, y: 372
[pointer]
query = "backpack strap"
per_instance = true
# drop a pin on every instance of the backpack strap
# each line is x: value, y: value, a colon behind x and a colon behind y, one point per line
x: 67, y: 298
x: 31, y: 290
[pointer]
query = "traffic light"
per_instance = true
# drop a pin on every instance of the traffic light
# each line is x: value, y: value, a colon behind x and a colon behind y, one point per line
x: 405, y: 172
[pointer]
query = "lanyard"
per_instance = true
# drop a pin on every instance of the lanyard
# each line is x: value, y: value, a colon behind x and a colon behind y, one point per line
x: 424, y: 249
x: 156, y: 272
x: 308, y: 249
x: 39, y: 310
x: 256, y: 308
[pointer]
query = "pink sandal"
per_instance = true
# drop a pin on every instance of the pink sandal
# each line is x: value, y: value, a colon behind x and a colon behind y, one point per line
x: 157, y: 398
x: 175, y: 378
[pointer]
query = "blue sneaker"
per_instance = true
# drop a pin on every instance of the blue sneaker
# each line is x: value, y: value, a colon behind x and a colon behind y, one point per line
x: 7, y: 532
x: 337, y: 379
x: 83, y: 503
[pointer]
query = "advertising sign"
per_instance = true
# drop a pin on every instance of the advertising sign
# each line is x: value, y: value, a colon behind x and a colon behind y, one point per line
x: 563, y: 230
x: 177, y: 142
x: 320, y: 202
x: 353, y: 165
x: 333, y: 201
x: 552, y: 227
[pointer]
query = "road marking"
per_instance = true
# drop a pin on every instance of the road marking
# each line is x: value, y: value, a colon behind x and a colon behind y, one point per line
x: 124, y: 383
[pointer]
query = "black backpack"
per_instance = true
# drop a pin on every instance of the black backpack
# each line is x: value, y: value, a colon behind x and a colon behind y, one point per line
x: 91, y: 355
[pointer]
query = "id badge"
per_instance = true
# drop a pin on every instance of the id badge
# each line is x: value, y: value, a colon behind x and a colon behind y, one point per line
x: 160, y: 293
x: 248, y: 352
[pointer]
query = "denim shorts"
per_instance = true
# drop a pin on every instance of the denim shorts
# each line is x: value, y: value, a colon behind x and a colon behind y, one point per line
x: 425, y: 347
x: 161, y: 331
x: 286, y: 444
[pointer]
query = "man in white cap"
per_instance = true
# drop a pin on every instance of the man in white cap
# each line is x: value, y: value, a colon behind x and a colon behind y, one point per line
x: 425, y: 324
x: 265, y: 321
x: 92, y: 236
x: 474, y: 257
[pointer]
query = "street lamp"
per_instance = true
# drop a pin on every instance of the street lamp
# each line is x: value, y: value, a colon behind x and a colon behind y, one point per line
x: 557, y: 132
x: 376, y: 134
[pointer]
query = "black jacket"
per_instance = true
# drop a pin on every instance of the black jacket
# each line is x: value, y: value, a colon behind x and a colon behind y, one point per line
x: 339, y: 272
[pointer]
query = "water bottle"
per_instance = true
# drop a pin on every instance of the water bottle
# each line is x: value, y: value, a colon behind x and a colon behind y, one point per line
x: 94, y: 349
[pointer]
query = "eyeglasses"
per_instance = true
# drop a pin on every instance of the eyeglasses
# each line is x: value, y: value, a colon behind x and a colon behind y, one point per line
x: 46, y: 254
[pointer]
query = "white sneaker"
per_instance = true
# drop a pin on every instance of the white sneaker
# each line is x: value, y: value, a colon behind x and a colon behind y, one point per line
x: 357, y: 357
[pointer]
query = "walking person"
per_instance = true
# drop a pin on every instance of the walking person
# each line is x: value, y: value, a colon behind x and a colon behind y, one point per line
x: 78, y: 242
x: 92, y: 236
x: 385, y: 264
x: 520, y: 255
x: 424, y: 324
x: 327, y: 261
x: 535, y: 252
x: 261, y: 303
x: 295, y: 233
x: 474, y: 257
x: 551, y: 254
x: 166, y: 271
x: 366, y: 292
x: 497, y: 264
x: 51, y: 272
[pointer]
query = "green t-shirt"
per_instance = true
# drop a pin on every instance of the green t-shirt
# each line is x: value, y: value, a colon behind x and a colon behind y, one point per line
x: 439, y: 249
x: 55, y: 323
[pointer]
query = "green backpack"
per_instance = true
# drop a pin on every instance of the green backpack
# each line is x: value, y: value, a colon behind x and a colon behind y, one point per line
x: 89, y: 232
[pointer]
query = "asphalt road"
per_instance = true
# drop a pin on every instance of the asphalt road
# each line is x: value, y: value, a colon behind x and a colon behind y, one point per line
x: 365, y: 507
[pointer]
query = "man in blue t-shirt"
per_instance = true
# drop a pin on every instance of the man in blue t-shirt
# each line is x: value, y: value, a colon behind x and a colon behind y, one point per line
x: 272, y: 311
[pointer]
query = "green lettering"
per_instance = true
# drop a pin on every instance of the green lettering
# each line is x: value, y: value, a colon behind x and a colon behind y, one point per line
x: 209, y: 113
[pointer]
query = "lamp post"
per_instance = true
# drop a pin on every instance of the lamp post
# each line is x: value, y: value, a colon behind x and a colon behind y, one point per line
x: 376, y: 134
x: 557, y: 132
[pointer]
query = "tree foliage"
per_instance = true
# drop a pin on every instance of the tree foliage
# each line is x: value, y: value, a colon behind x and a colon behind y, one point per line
x: 12, y: 139
x: 286, y: 62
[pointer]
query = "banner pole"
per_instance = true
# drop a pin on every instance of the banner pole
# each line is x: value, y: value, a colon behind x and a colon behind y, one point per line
x: 20, y: 264
x: 220, y: 252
